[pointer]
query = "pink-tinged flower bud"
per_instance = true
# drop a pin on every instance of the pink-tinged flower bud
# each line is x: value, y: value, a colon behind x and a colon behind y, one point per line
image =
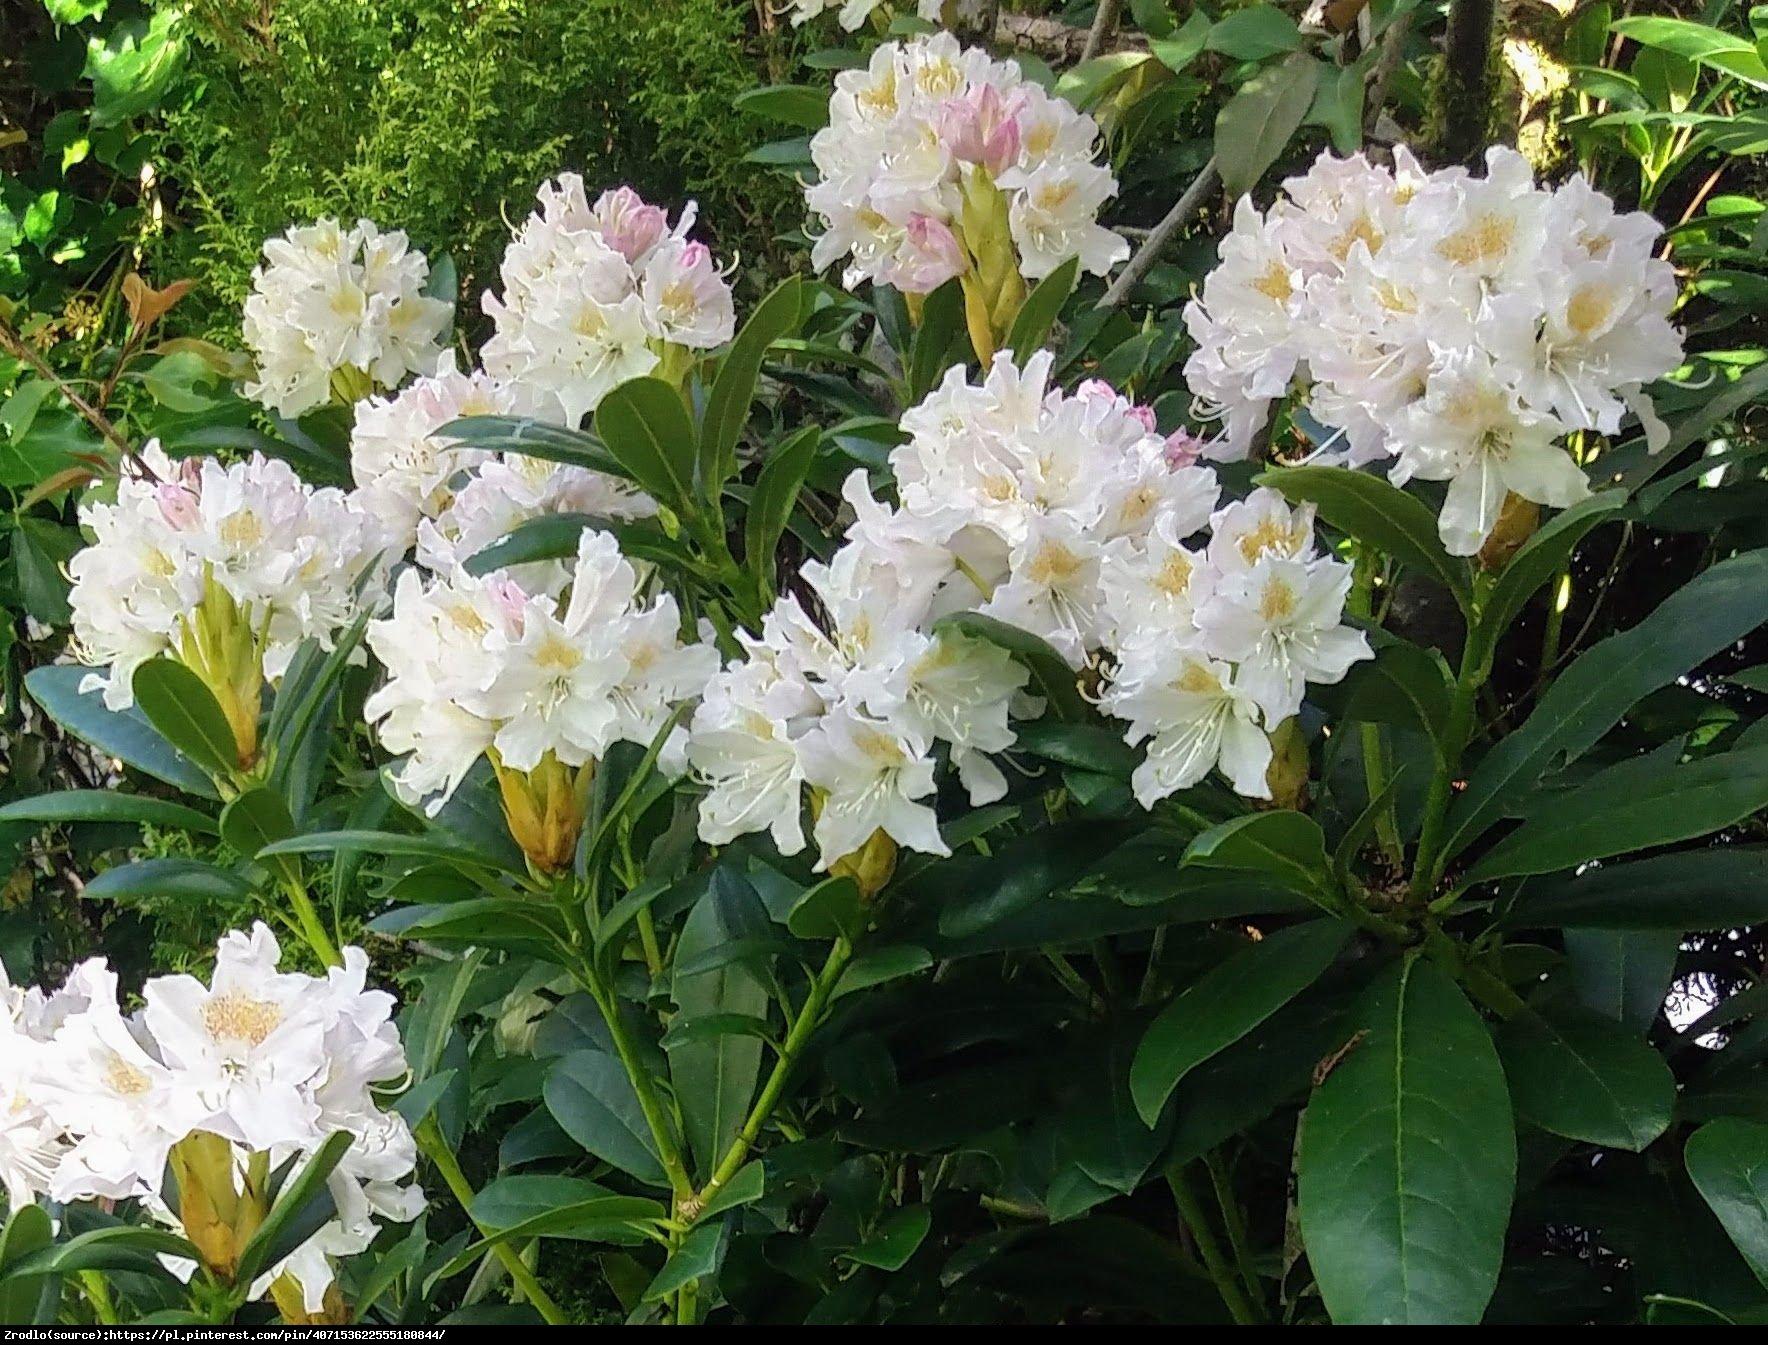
x: 931, y: 255
x: 178, y: 505
x: 511, y: 603
x: 628, y: 225
x: 1142, y: 415
x: 982, y: 128
x: 1183, y: 448
x: 1096, y: 389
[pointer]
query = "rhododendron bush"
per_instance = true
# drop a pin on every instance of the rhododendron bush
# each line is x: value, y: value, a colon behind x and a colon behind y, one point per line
x: 928, y: 790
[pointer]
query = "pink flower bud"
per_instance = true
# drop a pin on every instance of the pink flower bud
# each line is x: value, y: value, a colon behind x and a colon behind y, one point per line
x: 982, y: 128
x: 178, y: 505
x: 511, y: 603
x: 931, y: 256
x: 628, y: 225
x: 1183, y: 448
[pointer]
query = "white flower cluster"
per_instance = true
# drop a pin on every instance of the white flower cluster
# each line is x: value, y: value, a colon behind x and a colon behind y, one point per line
x: 272, y: 1062
x: 593, y: 294
x: 476, y: 666
x: 294, y: 556
x: 452, y: 501
x: 1066, y: 516
x: 854, y: 13
x: 326, y: 300
x: 927, y: 121
x: 1459, y: 325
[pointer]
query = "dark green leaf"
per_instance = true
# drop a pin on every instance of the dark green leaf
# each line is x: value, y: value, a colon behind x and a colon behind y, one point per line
x: 1363, y: 506
x: 534, y: 439
x: 1694, y: 889
x: 1041, y: 309
x: 831, y: 909
x: 1402, y: 685
x: 1635, y: 805
x: 895, y: 1241
x: 878, y: 965
x: 178, y: 704
x: 302, y: 1208
x: 1535, y: 563
x: 644, y: 424
x: 1623, y: 974
x: 168, y: 878
x: 794, y: 104
x: 125, y: 735
x: 714, y: 1079
x: 776, y: 492
x: 590, y: 1095
x: 1283, y: 845
x: 256, y: 819
x: 748, y: 1186
x: 1587, y: 1078
x: 548, y: 537
x: 697, y: 1257
x: 1728, y: 1160
x: 1257, y: 123
x: 1030, y: 869
x: 1227, y: 1003
x: 107, y: 805
x: 1253, y: 33
x: 1712, y: 611
x: 727, y: 405
x: 1407, y: 1160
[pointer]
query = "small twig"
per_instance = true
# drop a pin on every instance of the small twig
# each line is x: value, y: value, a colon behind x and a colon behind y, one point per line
x: 1163, y: 233
x: 16, y: 346
x: 1103, y: 22
x: 1393, y: 47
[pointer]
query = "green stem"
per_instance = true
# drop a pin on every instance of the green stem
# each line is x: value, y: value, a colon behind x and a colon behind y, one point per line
x: 1191, y: 1211
x: 647, y: 935
x: 1427, y: 867
x: 648, y: 1101
x: 1235, y: 1224
x: 312, y: 928
x: 808, y: 1020
x: 98, y: 1294
x: 1361, y: 602
x: 436, y: 1149
x: 1560, y: 592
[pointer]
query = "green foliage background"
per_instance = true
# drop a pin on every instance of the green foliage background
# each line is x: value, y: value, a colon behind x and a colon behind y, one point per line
x: 441, y: 117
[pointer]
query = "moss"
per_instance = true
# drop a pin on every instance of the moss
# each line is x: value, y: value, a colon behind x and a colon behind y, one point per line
x: 442, y: 116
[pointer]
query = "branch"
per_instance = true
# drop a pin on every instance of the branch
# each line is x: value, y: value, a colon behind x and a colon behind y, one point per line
x: 1103, y: 22
x: 1202, y: 186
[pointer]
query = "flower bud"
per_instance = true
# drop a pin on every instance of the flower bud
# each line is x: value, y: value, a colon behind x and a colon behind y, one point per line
x: 1287, y: 774
x: 932, y: 256
x: 871, y: 866
x: 1517, y: 521
x: 218, y: 1218
x: 628, y: 225
x: 221, y: 646
x: 291, y: 1303
x: 544, y: 809
x: 178, y: 506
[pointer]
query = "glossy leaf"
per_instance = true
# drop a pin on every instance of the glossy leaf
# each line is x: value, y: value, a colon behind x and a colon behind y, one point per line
x: 714, y: 1079
x: 697, y: 1257
x: 1635, y: 805
x: 833, y: 908
x: 1535, y: 563
x: 643, y: 423
x: 1364, y: 506
x: 895, y: 1241
x: 1587, y: 1078
x: 1407, y: 1160
x: 727, y: 405
x: 534, y: 439
x: 1694, y: 889
x: 123, y: 734
x: 1728, y: 1161
x: 256, y: 819
x: 795, y: 104
x: 302, y: 1208
x: 1713, y: 610
x: 1041, y: 309
x: 187, y: 878
x: 776, y: 493
x: 178, y: 704
x: 1258, y: 122
x: 1623, y: 974
x: 107, y: 805
x: 1228, y: 1002
x: 1283, y: 845
x: 589, y: 1095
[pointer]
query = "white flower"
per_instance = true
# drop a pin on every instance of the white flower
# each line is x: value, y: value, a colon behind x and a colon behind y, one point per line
x: 872, y: 775
x: 747, y: 760
x: 1377, y: 298
x: 1196, y: 718
x: 403, y: 468
x: 1470, y: 430
x: 902, y: 135
x: 327, y: 300
x: 303, y: 561
x: 1279, y: 621
x: 476, y: 665
x: 252, y: 1041
x: 590, y: 292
